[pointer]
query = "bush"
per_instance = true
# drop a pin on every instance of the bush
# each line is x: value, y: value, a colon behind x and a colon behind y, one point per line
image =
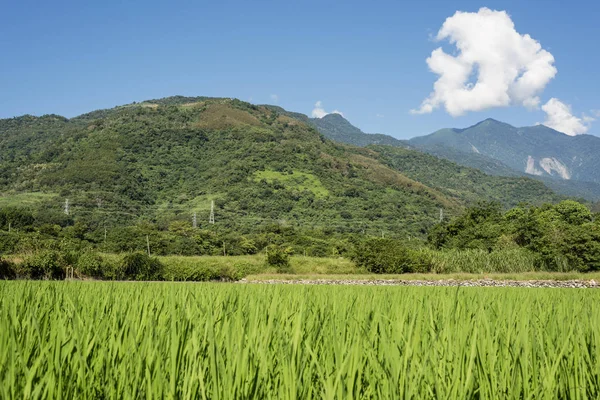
x: 389, y: 256
x: 8, y: 242
x: 278, y: 257
x: 141, y: 267
x: 46, y: 264
x: 190, y: 272
x: 7, y: 269
x: 90, y: 264
x: 208, y: 268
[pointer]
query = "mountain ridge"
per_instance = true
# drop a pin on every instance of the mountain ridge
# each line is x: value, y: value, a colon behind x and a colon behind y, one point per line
x: 160, y: 160
x: 458, y: 145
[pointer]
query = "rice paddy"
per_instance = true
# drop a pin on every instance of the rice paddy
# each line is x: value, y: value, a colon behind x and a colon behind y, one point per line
x: 230, y: 341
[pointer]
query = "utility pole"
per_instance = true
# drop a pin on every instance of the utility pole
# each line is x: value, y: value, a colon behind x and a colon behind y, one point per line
x: 211, y: 219
x: 148, y: 244
x: 67, y: 206
x: 194, y: 221
x: 9, y: 227
x: 441, y: 215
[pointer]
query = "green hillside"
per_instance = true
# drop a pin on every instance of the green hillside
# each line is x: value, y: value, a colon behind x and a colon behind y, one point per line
x: 154, y: 164
x: 495, y: 148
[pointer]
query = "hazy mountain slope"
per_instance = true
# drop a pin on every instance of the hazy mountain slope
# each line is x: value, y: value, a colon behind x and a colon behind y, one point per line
x: 336, y: 127
x: 536, y: 150
x: 577, y: 189
x: 160, y: 159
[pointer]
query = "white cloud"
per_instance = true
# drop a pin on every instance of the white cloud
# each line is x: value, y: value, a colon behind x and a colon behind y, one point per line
x: 319, y: 111
x: 596, y: 113
x: 494, y: 66
x: 274, y: 98
x: 559, y: 117
x: 379, y: 115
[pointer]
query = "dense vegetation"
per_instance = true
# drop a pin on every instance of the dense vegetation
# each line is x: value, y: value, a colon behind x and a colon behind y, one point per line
x: 75, y: 340
x: 562, y: 237
x: 138, y: 173
x: 484, y: 239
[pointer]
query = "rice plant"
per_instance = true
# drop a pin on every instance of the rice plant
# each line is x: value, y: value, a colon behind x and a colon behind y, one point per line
x: 230, y: 341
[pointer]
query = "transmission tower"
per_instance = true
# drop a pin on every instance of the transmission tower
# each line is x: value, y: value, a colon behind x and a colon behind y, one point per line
x: 67, y: 206
x: 194, y: 221
x: 211, y: 219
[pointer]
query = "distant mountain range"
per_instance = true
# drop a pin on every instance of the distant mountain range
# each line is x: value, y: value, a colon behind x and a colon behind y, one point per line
x: 570, y: 165
x: 535, y: 150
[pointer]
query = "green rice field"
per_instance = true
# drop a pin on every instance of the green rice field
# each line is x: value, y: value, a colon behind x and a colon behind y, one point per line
x: 119, y: 340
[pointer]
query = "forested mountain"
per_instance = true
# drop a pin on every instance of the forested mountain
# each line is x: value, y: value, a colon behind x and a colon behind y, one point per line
x: 565, y: 164
x: 161, y: 161
x: 535, y: 150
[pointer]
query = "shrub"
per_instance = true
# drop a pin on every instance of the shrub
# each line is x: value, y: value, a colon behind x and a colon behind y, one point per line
x: 141, y: 267
x: 190, y: 272
x: 278, y: 257
x: 8, y: 242
x: 248, y: 246
x: 7, y: 269
x: 45, y: 264
x: 90, y: 264
x: 388, y: 256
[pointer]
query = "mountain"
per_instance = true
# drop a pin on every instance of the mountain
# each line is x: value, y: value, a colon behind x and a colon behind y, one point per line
x: 162, y: 160
x: 535, y: 150
x: 335, y: 127
x: 564, y: 163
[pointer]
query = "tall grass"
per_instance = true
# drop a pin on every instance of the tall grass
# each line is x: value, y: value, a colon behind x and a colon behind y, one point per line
x: 219, y: 341
x: 480, y: 261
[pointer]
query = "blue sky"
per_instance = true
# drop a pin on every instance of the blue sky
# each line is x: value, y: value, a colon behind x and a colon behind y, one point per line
x: 365, y: 59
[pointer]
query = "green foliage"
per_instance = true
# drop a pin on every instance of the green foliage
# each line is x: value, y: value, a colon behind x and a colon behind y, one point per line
x: 46, y: 264
x: 91, y: 264
x: 7, y: 269
x: 141, y: 267
x: 389, y: 256
x: 278, y: 257
x: 467, y: 184
x: 477, y: 261
x: 142, y: 170
x: 210, y: 268
x: 563, y: 237
x: 248, y: 246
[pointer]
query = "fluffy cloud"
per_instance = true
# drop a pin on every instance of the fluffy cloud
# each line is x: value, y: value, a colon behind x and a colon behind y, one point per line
x: 494, y: 66
x: 274, y: 98
x: 559, y: 117
x: 319, y: 111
